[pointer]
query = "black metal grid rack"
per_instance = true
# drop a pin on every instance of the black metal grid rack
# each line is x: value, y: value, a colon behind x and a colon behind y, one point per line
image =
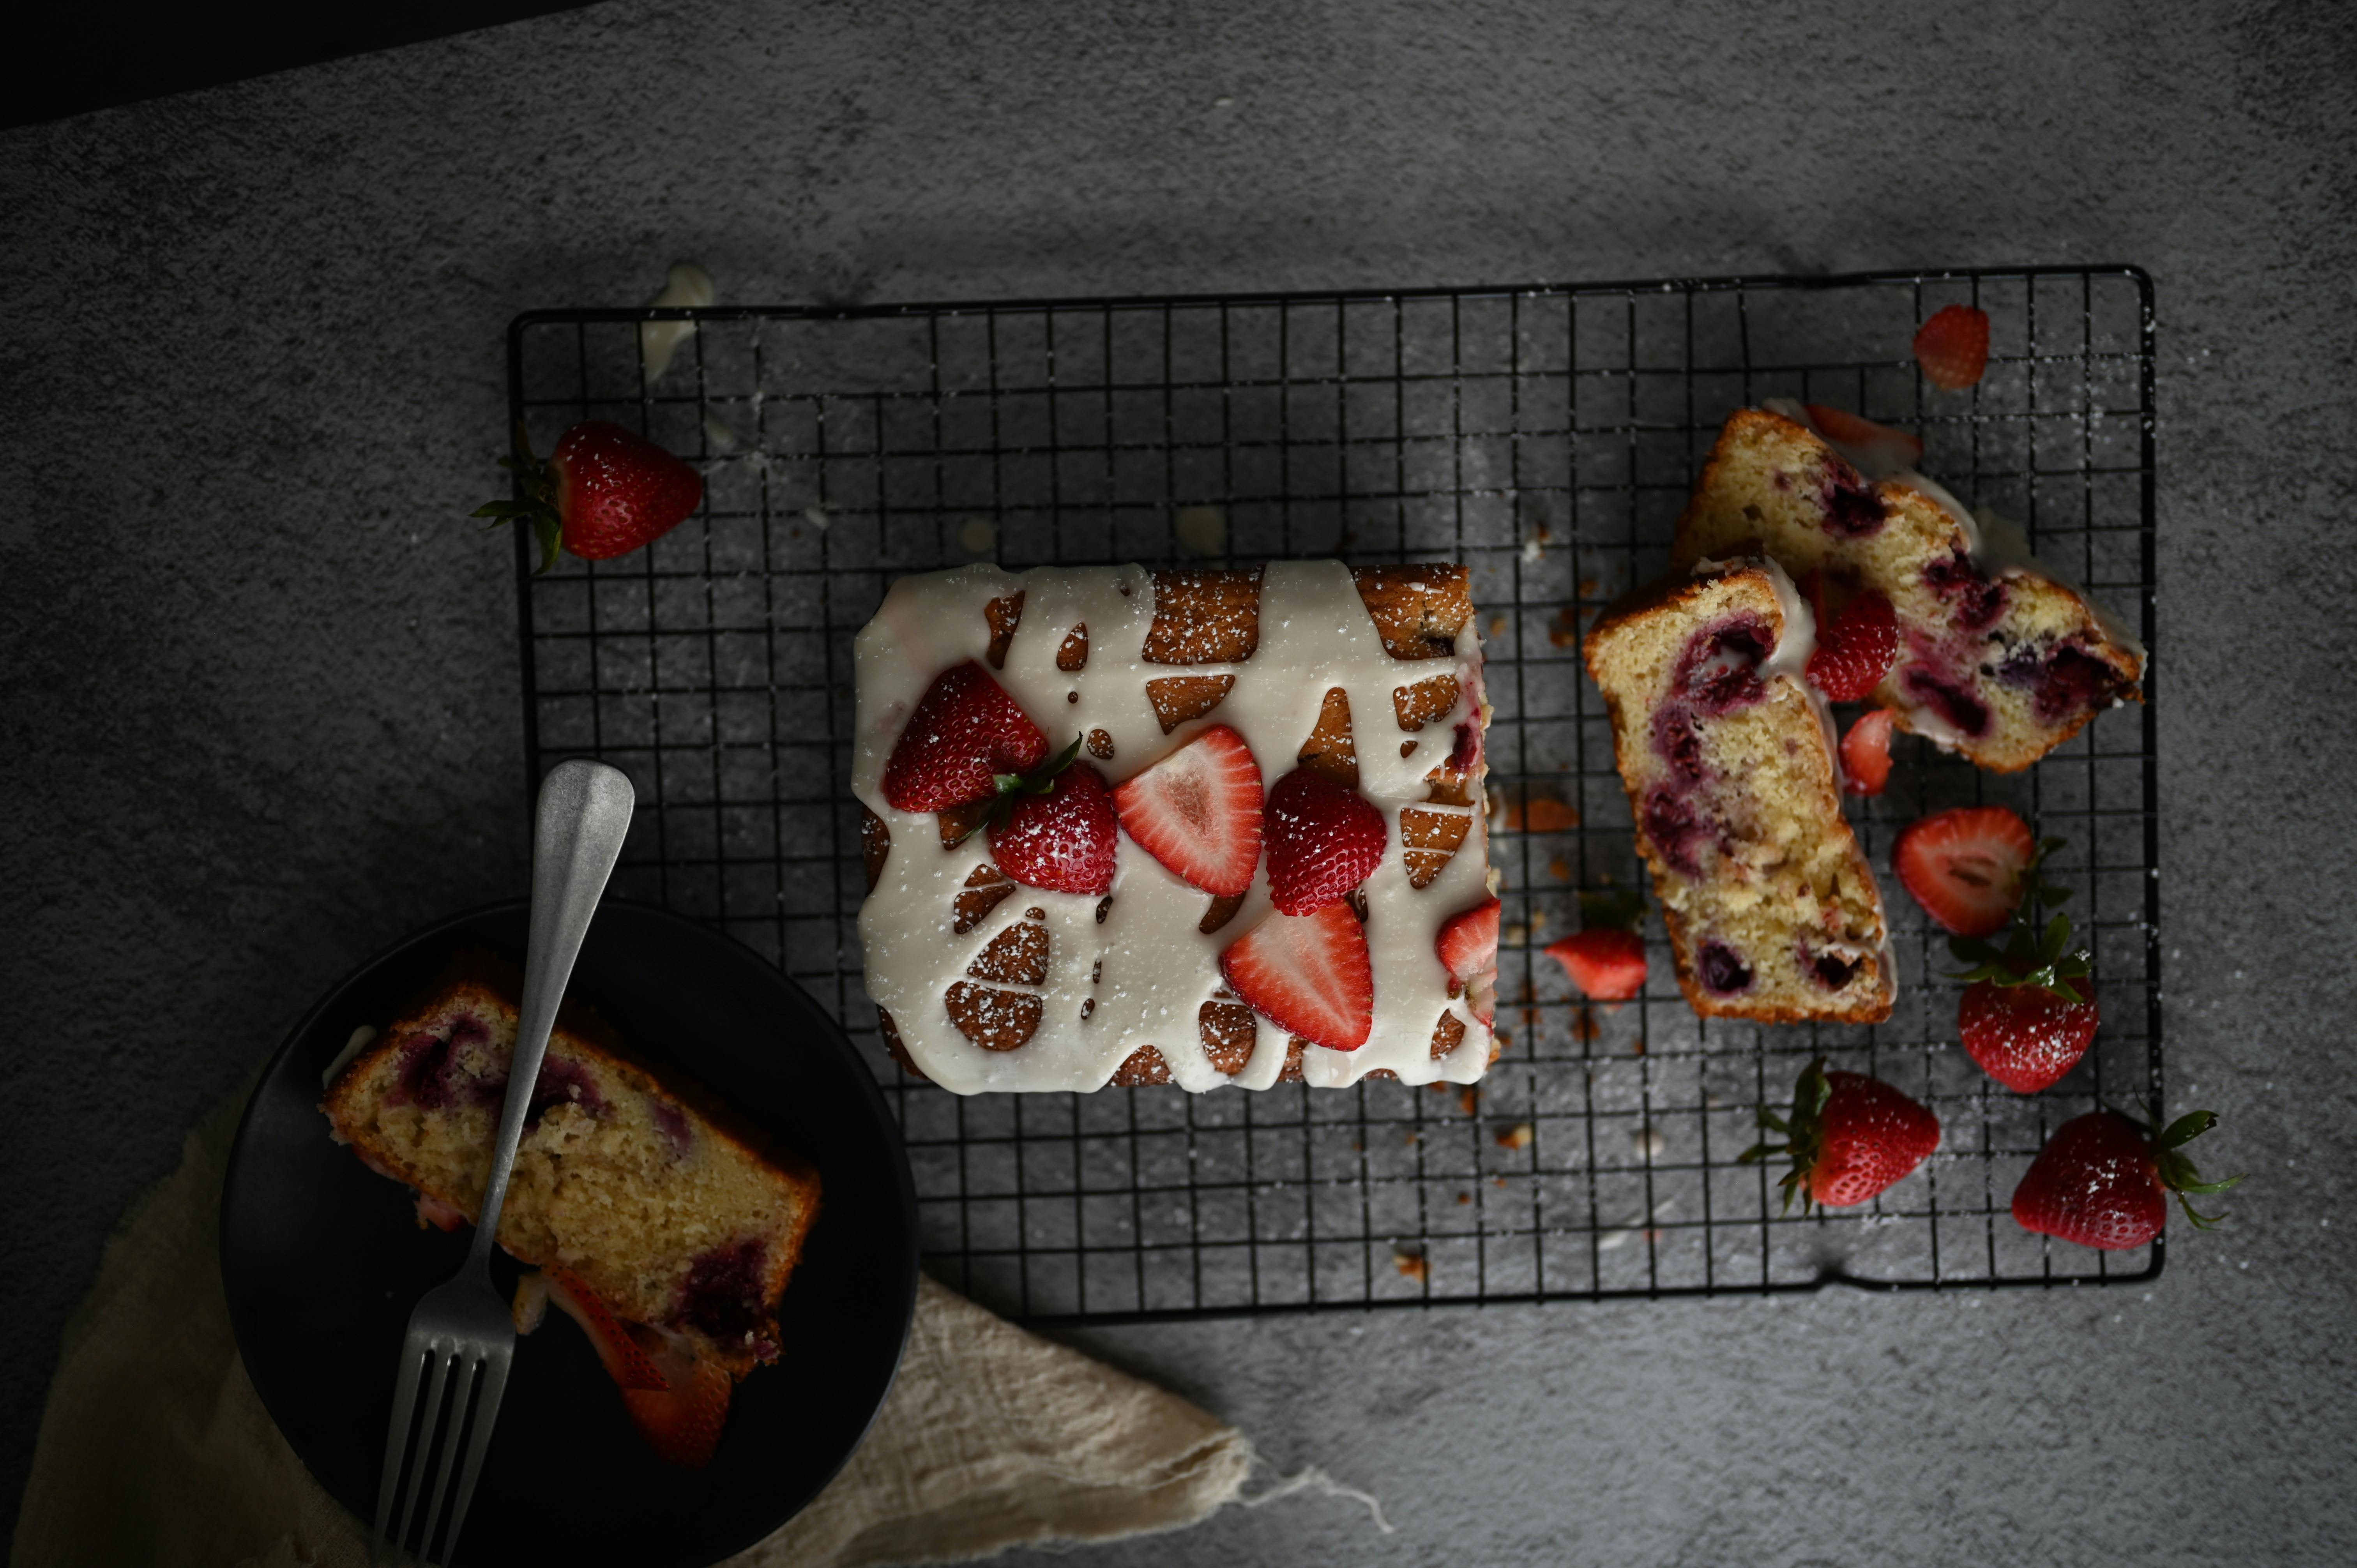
x: 1544, y: 436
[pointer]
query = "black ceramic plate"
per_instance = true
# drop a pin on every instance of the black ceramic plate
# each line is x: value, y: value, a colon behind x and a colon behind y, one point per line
x: 323, y: 1260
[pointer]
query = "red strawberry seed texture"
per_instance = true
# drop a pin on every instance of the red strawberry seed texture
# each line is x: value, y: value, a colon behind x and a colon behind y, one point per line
x: 1855, y: 650
x: 2026, y: 1037
x: 1964, y: 866
x: 1849, y: 1136
x: 1953, y: 347
x: 1199, y: 811
x: 1062, y: 841
x: 1323, y: 841
x: 1308, y: 974
x: 965, y: 731
x: 1468, y: 948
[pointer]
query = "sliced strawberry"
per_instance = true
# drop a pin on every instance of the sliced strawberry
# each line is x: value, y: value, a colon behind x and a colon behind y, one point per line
x: 1850, y: 1136
x: 1308, y: 974
x: 681, y: 1421
x: 2103, y: 1180
x: 1606, y: 963
x: 1966, y: 866
x: 1467, y: 945
x: 605, y: 491
x: 1877, y: 450
x: 1865, y: 753
x: 626, y: 1361
x: 1855, y: 650
x: 1323, y: 841
x: 1953, y: 347
x: 1062, y: 840
x: 1197, y: 811
x: 965, y: 731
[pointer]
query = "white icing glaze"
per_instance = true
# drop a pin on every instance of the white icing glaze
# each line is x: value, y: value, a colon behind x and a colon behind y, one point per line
x: 1793, y: 646
x: 1157, y: 968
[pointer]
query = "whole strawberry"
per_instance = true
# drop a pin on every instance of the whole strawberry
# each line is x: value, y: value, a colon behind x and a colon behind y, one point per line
x: 1953, y: 347
x: 2103, y: 1180
x: 1323, y: 841
x: 603, y: 492
x: 967, y: 740
x: 1849, y: 1137
x: 2028, y: 1013
x: 1061, y: 837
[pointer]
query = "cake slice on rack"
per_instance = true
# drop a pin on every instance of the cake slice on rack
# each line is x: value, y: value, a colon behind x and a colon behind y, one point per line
x: 1999, y: 660
x: 1202, y: 828
x: 1726, y: 754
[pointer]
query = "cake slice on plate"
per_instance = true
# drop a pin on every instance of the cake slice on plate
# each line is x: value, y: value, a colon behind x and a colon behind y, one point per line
x: 1998, y: 660
x: 1726, y: 754
x: 633, y: 1182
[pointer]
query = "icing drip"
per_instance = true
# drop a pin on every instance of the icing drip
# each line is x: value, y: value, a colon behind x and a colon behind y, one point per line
x: 1139, y: 975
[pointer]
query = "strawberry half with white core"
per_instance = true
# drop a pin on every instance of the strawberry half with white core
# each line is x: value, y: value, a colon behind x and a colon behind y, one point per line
x: 1865, y: 753
x: 677, y: 1399
x: 2028, y: 1013
x: 1323, y: 841
x: 1308, y: 974
x: 1966, y: 866
x: 2103, y: 1180
x: 1849, y: 1137
x: 966, y: 736
x: 605, y: 491
x: 1058, y: 835
x: 1197, y: 811
x: 1467, y: 945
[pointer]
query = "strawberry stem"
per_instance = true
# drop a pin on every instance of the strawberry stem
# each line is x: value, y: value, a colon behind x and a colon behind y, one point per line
x: 1040, y: 780
x: 535, y: 506
x: 2031, y: 956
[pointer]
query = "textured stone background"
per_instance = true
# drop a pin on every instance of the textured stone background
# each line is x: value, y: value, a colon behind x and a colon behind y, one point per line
x: 260, y: 682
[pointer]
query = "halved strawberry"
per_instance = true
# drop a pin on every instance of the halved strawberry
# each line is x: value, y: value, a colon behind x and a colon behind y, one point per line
x: 1308, y: 974
x: 1606, y: 963
x: 964, y: 733
x: 1865, y: 753
x: 1966, y: 866
x: 626, y: 1361
x: 1197, y: 811
x: 1323, y: 841
x: 1467, y: 945
x: 1953, y: 347
x: 681, y: 1421
x: 1062, y: 840
x: 1877, y: 450
x: 1855, y: 649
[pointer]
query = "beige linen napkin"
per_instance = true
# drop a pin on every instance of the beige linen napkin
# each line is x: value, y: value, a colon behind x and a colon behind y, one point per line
x: 155, y: 1447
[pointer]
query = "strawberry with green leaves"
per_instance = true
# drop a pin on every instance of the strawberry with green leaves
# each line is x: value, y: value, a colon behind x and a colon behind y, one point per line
x: 1850, y: 1136
x: 2029, y: 1013
x: 2104, y: 1179
x: 604, y: 491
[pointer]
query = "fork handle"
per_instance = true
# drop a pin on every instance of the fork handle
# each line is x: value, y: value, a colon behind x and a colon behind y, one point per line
x: 583, y: 813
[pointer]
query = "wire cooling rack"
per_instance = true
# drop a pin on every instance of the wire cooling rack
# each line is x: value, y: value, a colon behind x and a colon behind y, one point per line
x: 1544, y: 436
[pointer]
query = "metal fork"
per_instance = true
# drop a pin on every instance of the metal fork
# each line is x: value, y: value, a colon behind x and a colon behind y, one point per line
x: 465, y: 1328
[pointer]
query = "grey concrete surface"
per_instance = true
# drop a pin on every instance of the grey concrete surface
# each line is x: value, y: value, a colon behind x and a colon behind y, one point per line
x: 261, y: 688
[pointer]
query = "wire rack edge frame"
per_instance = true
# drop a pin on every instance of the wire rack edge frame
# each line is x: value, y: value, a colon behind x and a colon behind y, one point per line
x: 524, y: 321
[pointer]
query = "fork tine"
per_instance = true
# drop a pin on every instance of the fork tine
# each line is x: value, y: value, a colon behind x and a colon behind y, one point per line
x: 396, y: 1442
x: 413, y: 1494
x: 465, y: 1360
x: 486, y: 1414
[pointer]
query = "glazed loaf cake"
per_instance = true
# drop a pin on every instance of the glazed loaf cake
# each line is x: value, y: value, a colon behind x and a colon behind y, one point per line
x: 1998, y: 660
x: 670, y: 1208
x: 1728, y: 757
x: 1334, y: 715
